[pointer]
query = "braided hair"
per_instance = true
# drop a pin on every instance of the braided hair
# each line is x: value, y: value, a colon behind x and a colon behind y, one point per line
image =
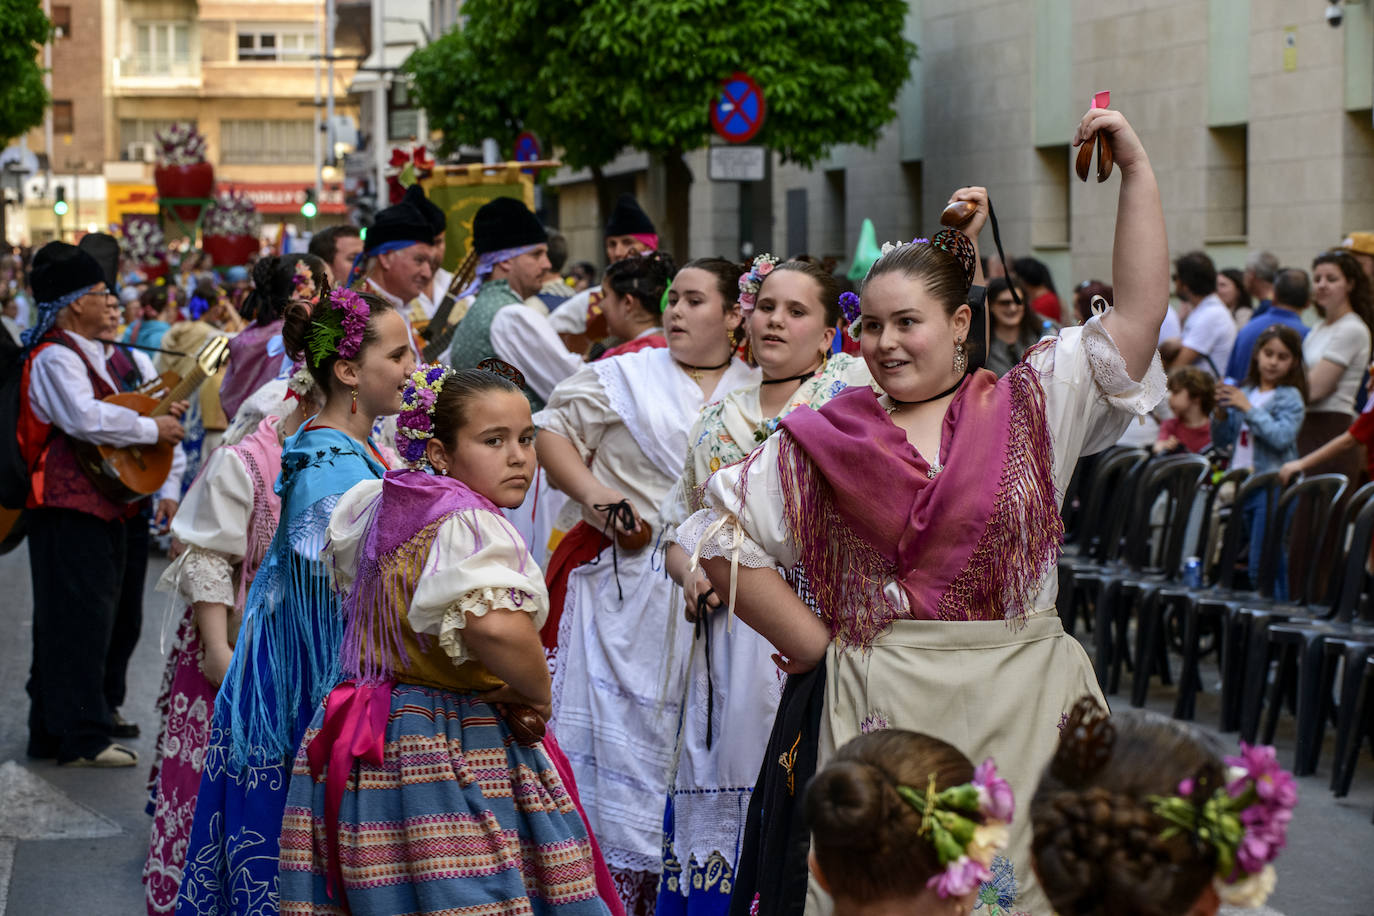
x: 645, y: 278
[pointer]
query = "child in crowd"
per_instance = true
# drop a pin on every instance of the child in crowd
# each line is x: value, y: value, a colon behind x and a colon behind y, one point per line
x: 903, y: 820
x: 1192, y: 397
x: 1260, y: 420
x: 1140, y: 815
x: 442, y: 657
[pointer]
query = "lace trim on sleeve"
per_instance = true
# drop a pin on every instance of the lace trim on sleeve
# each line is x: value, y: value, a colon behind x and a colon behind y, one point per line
x: 478, y: 603
x: 1108, y: 369
x: 207, y: 575
x: 707, y: 535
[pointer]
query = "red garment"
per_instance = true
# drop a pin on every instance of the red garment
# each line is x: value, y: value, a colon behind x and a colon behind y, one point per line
x: 1363, y: 432
x: 1194, y: 438
x: 56, y: 479
x: 1047, y: 305
x: 649, y: 341
x: 580, y: 545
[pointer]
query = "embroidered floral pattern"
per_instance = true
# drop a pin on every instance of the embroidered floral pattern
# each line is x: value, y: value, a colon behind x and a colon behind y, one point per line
x: 874, y: 721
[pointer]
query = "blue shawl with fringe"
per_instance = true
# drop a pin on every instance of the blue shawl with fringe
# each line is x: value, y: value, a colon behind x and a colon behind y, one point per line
x: 287, y: 655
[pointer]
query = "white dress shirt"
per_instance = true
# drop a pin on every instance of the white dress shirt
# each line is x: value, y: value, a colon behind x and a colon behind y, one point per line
x: 525, y: 339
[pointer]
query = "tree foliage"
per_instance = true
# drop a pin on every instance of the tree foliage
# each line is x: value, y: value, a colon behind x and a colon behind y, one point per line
x: 23, y: 98
x: 594, y: 77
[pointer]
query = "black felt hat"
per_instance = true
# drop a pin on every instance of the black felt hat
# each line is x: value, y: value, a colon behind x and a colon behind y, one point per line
x: 629, y: 219
x: 505, y: 222
x: 60, y: 269
x: 105, y: 249
x: 403, y: 222
x: 415, y: 196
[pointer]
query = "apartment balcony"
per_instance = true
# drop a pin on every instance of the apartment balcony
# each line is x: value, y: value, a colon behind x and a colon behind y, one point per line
x: 138, y: 73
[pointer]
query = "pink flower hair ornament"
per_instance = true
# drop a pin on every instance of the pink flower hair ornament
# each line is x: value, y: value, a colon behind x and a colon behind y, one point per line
x: 750, y: 283
x: 339, y: 330
x: 967, y: 826
x: 1245, y: 821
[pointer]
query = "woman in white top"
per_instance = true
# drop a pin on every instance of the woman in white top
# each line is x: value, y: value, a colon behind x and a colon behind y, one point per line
x: 1336, y: 352
x: 791, y: 311
x: 613, y: 437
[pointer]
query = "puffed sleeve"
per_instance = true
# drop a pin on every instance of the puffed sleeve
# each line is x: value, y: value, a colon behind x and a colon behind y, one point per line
x: 478, y: 563
x: 579, y: 410
x: 213, y: 524
x: 743, y: 518
x: 1090, y: 398
x: 347, y: 527
x: 677, y: 505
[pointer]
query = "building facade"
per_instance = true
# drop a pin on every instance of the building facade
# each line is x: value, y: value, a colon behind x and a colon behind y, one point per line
x: 1256, y: 115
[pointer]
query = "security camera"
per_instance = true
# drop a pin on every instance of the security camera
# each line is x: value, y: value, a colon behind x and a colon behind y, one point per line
x: 1334, y: 14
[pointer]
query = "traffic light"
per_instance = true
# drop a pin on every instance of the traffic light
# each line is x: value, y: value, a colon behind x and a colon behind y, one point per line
x: 308, y: 208
x: 59, y: 204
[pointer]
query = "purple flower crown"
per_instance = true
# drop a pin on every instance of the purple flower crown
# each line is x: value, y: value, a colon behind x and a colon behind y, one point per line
x: 415, y: 422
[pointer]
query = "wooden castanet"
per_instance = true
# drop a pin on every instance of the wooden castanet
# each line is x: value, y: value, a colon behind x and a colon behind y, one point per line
x: 636, y: 540
x: 957, y: 213
x: 11, y: 529
x: 1084, y: 162
x: 524, y: 723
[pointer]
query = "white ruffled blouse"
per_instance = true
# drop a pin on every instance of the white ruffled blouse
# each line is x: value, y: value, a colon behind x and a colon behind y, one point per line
x: 477, y: 562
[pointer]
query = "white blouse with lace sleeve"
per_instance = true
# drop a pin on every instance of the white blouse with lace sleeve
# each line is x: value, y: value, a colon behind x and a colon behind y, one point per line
x: 1089, y: 400
x: 478, y: 562
x: 213, y: 524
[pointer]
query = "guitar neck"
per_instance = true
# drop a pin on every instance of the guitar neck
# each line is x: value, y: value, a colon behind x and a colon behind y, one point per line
x: 182, y: 390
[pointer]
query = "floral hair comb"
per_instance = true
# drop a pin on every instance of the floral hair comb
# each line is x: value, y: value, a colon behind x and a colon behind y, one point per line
x: 964, y: 847
x: 415, y: 422
x: 339, y: 331
x: 752, y: 281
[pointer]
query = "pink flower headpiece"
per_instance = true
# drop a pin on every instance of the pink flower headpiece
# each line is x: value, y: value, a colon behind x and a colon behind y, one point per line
x: 751, y: 282
x: 967, y: 826
x: 339, y: 330
x: 415, y: 422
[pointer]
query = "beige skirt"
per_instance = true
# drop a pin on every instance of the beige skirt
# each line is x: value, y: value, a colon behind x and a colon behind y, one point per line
x: 985, y: 688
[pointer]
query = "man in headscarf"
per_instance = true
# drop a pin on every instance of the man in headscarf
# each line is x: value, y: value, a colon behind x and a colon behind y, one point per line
x: 512, y: 258
x: 77, y: 534
x: 629, y: 232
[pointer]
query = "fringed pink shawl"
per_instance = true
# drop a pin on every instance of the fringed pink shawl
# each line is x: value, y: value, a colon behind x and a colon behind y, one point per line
x: 406, y: 518
x: 971, y: 544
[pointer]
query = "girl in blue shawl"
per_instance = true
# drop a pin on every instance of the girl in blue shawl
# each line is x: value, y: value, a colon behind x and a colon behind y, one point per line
x: 357, y: 348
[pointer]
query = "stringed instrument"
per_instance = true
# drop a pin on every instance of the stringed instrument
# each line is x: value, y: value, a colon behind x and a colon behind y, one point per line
x: 129, y: 473
x: 438, y: 333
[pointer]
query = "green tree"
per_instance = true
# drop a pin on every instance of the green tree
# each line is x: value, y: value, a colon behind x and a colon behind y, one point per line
x: 595, y: 77
x: 23, y: 31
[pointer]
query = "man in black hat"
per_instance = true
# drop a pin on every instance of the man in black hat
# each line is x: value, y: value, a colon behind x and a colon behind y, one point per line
x: 130, y: 370
x: 429, y: 299
x: 399, y: 256
x: 512, y: 257
x: 76, y: 533
x: 629, y: 232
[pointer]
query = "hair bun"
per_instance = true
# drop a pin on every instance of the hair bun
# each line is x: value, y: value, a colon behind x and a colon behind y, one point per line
x: 849, y: 801
x: 956, y: 243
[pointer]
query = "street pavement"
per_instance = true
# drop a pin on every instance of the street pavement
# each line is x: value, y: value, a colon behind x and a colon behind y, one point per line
x: 74, y: 841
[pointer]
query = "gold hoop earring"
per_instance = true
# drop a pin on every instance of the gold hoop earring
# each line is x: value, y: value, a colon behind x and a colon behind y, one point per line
x: 960, y: 358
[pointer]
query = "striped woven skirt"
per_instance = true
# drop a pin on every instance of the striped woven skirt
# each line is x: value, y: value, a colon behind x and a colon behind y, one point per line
x: 457, y: 818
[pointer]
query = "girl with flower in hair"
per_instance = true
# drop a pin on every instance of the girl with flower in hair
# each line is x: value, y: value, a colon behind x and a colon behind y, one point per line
x: 904, y: 821
x: 926, y: 524
x: 613, y: 437
x: 790, y: 311
x: 436, y: 729
x: 1140, y: 815
x: 225, y: 523
x: 357, y: 350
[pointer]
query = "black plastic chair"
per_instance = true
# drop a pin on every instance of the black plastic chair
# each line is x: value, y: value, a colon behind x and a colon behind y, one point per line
x: 1299, y: 646
x: 1100, y: 543
x: 1319, y: 495
x: 1178, y: 479
x: 1360, y: 727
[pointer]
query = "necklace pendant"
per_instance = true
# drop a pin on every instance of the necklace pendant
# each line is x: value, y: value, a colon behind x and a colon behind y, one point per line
x: 934, y: 469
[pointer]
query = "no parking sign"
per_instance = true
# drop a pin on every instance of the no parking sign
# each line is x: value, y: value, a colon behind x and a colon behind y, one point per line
x: 738, y: 113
